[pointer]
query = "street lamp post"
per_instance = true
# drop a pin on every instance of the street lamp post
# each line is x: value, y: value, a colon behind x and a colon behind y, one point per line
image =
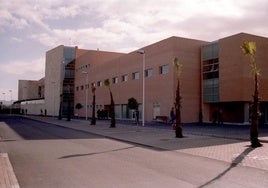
x: 53, y: 97
x: 24, y: 97
x: 4, y: 98
x: 143, y: 84
x: 69, y: 104
x: 84, y: 72
x: 11, y: 105
x: 4, y: 94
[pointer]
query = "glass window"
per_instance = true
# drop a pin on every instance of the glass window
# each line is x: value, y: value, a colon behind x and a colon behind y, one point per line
x: 148, y: 72
x: 69, y: 54
x: 115, y: 80
x: 135, y: 75
x: 125, y: 78
x: 211, y: 69
x: 39, y: 91
x: 82, y: 87
x: 211, y: 90
x: 99, y: 83
x: 163, y: 69
x: 210, y: 51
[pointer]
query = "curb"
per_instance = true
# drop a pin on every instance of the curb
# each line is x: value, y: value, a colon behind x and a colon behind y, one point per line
x: 7, y: 175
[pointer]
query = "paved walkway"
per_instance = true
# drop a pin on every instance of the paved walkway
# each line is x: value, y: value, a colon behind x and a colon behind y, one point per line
x: 229, y: 143
x: 7, y: 176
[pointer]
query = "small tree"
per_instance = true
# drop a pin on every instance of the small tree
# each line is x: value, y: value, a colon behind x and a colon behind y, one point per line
x: 132, y: 103
x: 112, y: 112
x: 249, y: 49
x: 93, y: 119
x: 178, y: 129
x: 78, y: 106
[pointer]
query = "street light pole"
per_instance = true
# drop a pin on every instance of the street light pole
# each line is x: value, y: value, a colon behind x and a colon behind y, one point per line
x: 24, y: 97
x: 84, y: 72
x: 53, y: 98
x: 143, y: 84
x: 11, y: 105
x: 4, y: 98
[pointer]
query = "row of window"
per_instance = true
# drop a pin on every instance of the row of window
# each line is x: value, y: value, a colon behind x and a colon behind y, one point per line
x: 83, y: 67
x: 124, y: 78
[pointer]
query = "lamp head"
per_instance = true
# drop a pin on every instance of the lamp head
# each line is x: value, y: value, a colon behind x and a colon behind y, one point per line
x: 141, y: 51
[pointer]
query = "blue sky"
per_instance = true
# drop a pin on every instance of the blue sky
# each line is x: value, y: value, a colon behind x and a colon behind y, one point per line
x: 29, y: 28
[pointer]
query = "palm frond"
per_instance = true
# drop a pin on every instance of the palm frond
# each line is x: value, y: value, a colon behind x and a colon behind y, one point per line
x: 177, y: 65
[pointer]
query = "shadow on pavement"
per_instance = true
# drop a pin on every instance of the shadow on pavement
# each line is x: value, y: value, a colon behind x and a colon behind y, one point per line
x: 36, y: 130
x: 234, y: 163
x: 95, y: 153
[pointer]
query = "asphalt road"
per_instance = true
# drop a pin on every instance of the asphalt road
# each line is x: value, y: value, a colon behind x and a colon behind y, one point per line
x: 44, y: 155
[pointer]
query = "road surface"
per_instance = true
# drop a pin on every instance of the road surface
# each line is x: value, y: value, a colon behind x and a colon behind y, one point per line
x: 45, y: 155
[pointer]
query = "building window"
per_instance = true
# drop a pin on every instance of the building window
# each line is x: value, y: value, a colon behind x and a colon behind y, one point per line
x: 115, y: 80
x: 99, y: 84
x: 148, y: 72
x: 39, y: 91
x: 135, y: 75
x: 163, y: 69
x: 125, y: 78
x: 210, y: 51
x: 82, y: 87
x: 210, y: 69
x: 77, y: 88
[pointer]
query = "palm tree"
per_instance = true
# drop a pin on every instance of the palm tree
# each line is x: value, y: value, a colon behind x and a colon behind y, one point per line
x: 178, y: 129
x: 249, y: 49
x: 69, y: 104
x: 93, y: 119
x: 112, y: 112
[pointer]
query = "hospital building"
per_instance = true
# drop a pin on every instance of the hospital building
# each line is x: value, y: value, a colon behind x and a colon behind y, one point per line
x: 216, y: 77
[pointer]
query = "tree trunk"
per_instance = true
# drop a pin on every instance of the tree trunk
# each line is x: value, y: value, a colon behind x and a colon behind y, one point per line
x: 254, y: 133
x: 60, y: 109
x: 93, y: 119
x: 178, y: 130
x: 112, y: 112
x: 69, y: 108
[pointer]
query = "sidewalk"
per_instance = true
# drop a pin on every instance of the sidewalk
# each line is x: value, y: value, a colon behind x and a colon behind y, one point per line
x: 216, y: 144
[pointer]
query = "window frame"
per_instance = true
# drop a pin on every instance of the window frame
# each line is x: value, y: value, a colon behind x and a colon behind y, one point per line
x: 164, y: 69
x: 99, y: 83
x: 124, y: 78
x: 136, y: 75
x: 115, y: 80
x: 149, y: 72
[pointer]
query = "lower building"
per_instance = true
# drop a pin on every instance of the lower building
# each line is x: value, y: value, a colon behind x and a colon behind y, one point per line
x: 31, y: 96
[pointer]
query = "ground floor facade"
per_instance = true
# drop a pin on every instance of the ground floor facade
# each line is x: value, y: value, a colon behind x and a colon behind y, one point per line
x: 234, y: 112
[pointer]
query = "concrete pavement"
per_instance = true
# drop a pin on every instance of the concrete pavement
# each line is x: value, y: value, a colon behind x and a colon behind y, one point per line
x: 226, y: 143
x: 232, y: 147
